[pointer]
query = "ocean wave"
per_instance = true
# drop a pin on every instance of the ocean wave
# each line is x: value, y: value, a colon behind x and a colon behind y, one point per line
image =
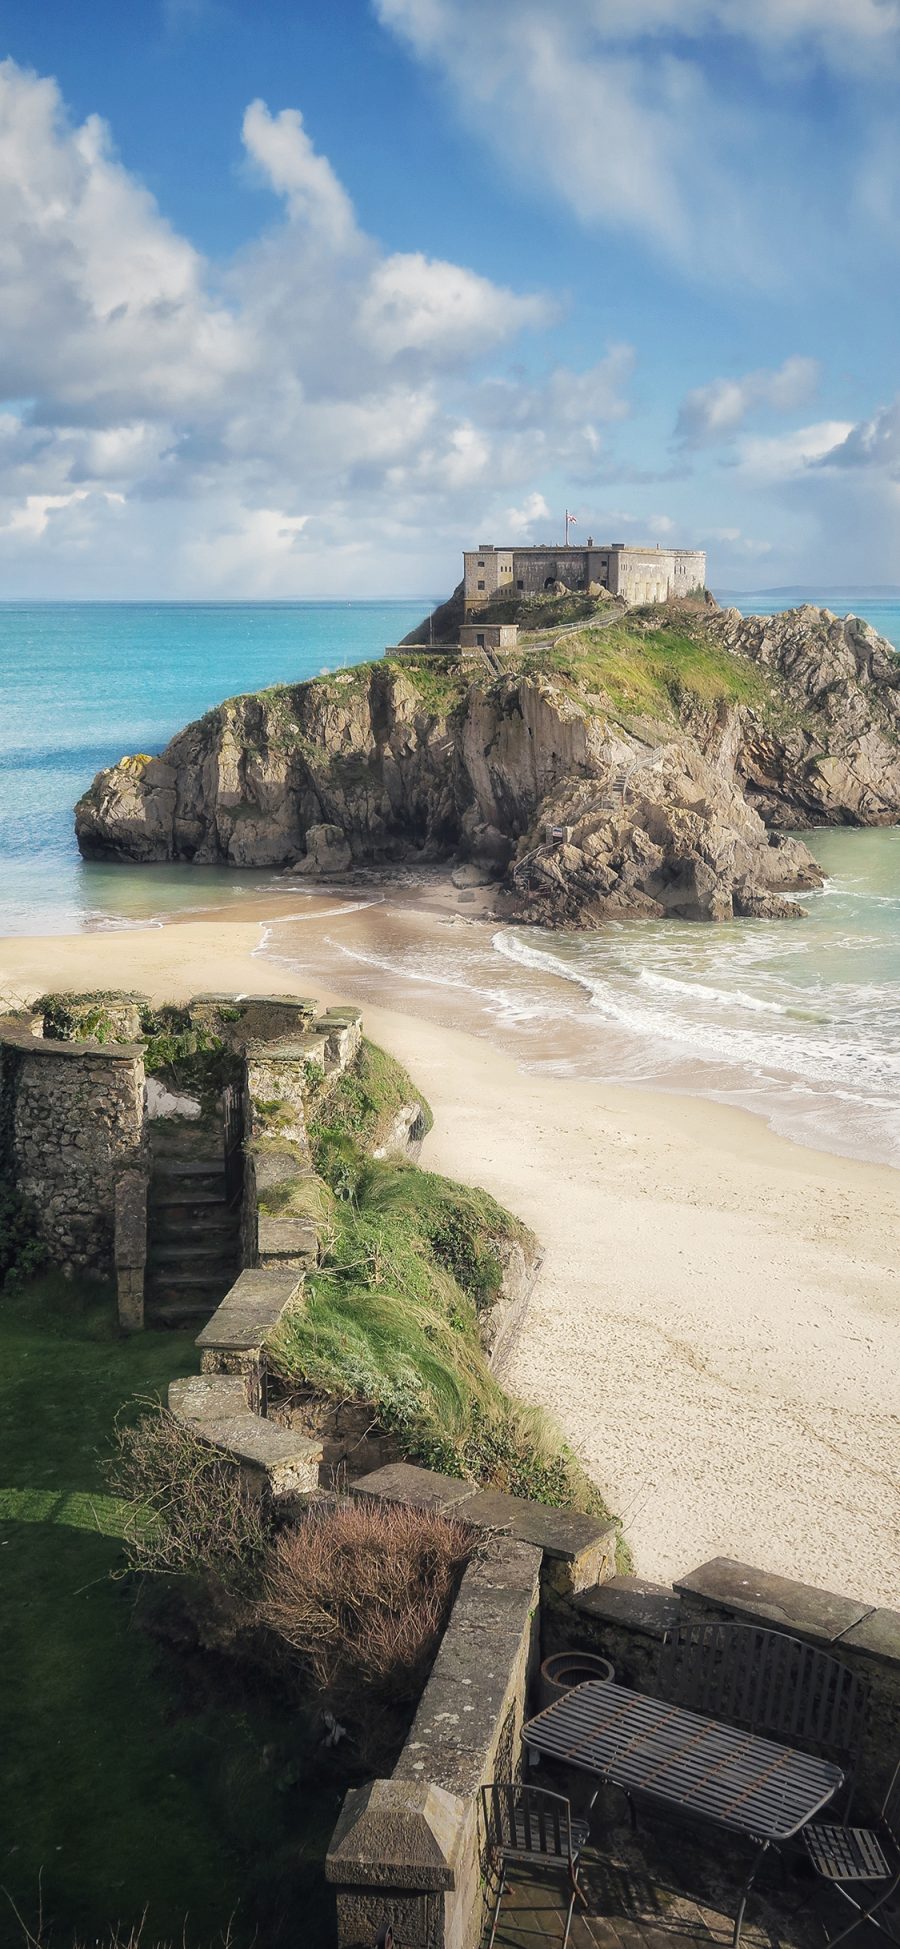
x: 510, y: 1003
x: 825, y: 1060
x: 730, y: 997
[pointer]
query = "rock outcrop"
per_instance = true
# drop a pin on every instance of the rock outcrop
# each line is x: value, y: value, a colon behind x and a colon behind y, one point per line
x: 586, y: 798
x: 834, y: 757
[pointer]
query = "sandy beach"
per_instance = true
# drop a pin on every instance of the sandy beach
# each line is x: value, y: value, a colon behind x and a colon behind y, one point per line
x: 717, y: 1324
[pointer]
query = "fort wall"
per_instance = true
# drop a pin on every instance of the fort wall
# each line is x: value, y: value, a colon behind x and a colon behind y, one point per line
x: 639, y: 574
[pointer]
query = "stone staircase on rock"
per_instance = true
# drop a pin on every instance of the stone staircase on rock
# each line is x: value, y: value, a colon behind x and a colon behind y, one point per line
x: 193, y: 1230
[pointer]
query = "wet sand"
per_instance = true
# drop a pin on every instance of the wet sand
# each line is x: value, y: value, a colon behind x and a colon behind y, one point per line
x: 717, y: 1325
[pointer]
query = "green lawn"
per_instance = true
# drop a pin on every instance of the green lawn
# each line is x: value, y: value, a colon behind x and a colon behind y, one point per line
x: 133, y: 1777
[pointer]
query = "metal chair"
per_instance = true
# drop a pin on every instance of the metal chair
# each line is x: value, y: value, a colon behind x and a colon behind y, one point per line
x: 531, y: 1826
x: 850, y: 1857
x: 769, y: 1683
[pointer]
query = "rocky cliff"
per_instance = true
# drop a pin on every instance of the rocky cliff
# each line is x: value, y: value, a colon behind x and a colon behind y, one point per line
x: 651, y: 766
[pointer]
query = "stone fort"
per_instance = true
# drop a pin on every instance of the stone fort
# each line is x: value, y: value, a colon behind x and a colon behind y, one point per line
x: 637, y: 573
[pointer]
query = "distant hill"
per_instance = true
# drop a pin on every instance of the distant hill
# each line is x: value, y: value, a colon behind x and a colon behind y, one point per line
x: 794, y: 592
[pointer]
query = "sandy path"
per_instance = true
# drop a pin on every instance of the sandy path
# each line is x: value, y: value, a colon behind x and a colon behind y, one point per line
x: 717, y: 1325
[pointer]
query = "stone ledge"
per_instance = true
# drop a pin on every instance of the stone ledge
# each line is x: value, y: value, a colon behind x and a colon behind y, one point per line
x: 296, y: 1049
x: 216, y: 1410
x: 290, y: 1239
x: 631, y: 1604
x: 423, y: 1488
x: 577, y: 1549
x: 14, y: 1037
x: 455, y: 1727
x: 744, y: 1592
x: 249, y: 1311
x: 208, y: 1397
x: 878, y: 1635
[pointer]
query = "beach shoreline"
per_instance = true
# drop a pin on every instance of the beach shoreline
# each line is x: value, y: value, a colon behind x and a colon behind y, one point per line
x: 717, y: 1323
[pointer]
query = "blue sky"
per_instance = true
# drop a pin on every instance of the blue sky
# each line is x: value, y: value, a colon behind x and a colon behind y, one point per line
x: 298, y: 300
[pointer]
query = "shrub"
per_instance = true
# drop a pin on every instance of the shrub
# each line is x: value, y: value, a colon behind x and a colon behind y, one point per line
x: 77, y: 1017
x: 192, y: 1511
x: 362, y: 1592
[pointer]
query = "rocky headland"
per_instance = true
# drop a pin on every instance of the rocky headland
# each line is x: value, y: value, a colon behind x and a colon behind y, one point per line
x: 647, y: 763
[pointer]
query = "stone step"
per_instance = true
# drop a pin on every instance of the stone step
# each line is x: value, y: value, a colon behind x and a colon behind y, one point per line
x: 190, y: 1191
x: 186, y: 1255
x: 167, y: 1168
x: 175, y: 1313
x: 183, y: 1221
x: 192, y: 1286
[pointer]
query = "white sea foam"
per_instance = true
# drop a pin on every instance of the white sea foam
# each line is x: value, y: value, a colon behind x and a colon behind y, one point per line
x: 817, y: 1059
x: 798, y: 1022
x: 729, y: 997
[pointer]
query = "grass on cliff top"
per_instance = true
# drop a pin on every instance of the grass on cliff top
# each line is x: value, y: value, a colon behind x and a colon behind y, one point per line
x: 130, y: 1780
x: 363, y: 1101
x: 657, y: 669
x: 391, y: 1317
x: 437, y: 680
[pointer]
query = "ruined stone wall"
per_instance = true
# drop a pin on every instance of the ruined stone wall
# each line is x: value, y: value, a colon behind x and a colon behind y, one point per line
x: 71, y: 1121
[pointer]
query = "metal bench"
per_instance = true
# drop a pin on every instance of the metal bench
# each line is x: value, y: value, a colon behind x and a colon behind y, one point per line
x: 530, y: 1826
x: 769, y: 1683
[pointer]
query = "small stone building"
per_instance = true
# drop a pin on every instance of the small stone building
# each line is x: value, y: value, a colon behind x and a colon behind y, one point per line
x: 489, y: 636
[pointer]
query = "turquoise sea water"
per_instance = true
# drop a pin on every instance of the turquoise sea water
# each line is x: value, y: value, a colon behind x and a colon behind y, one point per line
x: 798, y: 1021
x: 83, y: 683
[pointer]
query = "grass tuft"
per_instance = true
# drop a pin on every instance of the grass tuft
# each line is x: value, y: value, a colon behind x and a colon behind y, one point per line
x: 653, y: 670
x: 391, y: 1318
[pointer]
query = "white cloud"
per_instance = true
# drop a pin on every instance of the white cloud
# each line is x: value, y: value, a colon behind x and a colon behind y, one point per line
x: 620, y: 111
x: 281, y: 148
x: 837, y: 27
x: 872, y: 443
x: 419, y: 304
x: 314, y: 402
x: 735, y: 543
x: 714, y: 412
x: 520, y: 524
x: 787, y: 455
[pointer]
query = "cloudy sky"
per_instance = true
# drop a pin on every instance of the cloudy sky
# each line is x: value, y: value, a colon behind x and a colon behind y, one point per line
x: 298, y: 299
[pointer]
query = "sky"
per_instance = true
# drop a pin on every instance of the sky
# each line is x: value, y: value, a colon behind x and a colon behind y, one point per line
x: 299, y: 300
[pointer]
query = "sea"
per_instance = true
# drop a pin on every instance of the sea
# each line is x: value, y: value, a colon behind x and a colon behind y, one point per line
x: 798, y: 1021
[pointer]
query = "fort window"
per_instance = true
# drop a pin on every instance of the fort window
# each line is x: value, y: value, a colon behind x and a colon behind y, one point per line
x: 481, y: 585
x: 520, y: 584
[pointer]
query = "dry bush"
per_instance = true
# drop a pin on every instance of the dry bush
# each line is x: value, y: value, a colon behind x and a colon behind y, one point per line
x: 192, y: 1510
x: 116, y: 1939
x: 34, y: 1935
x: 362, y: 1591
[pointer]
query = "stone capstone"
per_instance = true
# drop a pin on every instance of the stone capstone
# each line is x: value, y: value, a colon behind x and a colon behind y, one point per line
x: 248, y: 1313
x: 758, y: 1595
x: 216, y: 1409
